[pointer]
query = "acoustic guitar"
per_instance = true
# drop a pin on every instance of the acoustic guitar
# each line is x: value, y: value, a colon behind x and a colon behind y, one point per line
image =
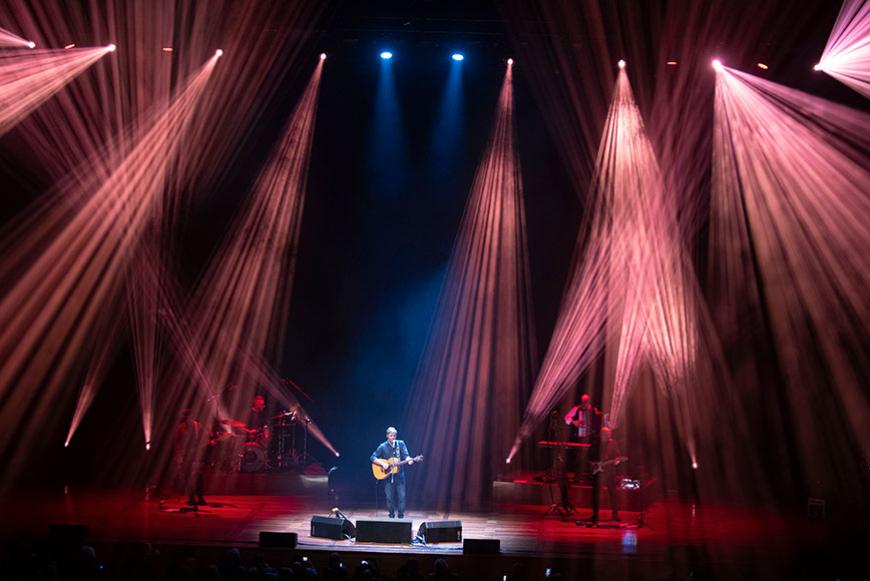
x: 382, y: 473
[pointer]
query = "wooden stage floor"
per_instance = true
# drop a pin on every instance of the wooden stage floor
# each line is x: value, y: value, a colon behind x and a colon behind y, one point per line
x: 724, y: 532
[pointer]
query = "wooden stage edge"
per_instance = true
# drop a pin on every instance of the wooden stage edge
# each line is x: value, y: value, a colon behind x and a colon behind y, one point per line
x: 126, y: 516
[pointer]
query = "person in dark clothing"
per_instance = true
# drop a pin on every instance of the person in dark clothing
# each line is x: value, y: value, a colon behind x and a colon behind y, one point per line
x: 258, y: 419
x: 585, y: 418
x: 605, y: 448
x: 190, y: 444
x: 585, y: 421
x: 394, y: 486
x: 442, y: 572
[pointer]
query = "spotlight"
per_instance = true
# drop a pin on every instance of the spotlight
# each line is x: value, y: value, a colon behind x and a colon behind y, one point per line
x: 218, y: 53
x: 323, y: 56
x: 111, y: 47
x: 147, y: 446
x: 694, y: 465
x: 508, y: 460
x: 762, y: 66
x: 70, y: 45
x: 817, y: 67
x: 386, y: 55
x: 457, y: 56
x: 510, y: 61
x: 31, y: 44
x: 671, y: 63
x: 166, y: 49
x: 66, y: 444
x: 717, y: 65
x: 621, y: 64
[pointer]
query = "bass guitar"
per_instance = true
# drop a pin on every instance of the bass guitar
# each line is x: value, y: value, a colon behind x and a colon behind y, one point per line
x: 382, y: 473
x: 600, y: 466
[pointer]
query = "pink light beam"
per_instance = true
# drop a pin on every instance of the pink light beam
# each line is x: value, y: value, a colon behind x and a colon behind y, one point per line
x: 468, y: 395
x: 29, y: 79
x: 846, y: 56
x: 236, y: 321
x: 630, y: 289
x: 11, y: 39
x: 70, y: 276
x: 790, y: 195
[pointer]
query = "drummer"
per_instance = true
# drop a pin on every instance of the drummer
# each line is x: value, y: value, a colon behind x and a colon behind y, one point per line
x: 256, y: 426
x: 286, y: 417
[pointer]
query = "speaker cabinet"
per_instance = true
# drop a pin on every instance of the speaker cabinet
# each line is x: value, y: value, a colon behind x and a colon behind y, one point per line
x: 481, y: 546
x: 373, y: 530
x: 332, y: 528
x: 270, y: 540
x: 441, y: 531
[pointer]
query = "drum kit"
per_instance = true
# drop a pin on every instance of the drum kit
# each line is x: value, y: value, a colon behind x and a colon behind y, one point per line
x: 283, y: 445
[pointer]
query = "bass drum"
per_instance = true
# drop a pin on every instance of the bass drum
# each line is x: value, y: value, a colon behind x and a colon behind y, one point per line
x: 253, y: 458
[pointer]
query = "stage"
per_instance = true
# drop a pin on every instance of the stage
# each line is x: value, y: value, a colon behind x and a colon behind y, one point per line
x: 674, y: 535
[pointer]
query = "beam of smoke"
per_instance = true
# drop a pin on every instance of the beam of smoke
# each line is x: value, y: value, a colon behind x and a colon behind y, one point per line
x: 631, y: 288
x: 105, y: 343
x: 29, y: 79
x: 656, y: 318
x: 74, y: 270
x: 11, y: 39
x: 98, y: 121
x: 847, y: 53
x: 790, y: 214
x: 468, y: 394
x: 234, y: 325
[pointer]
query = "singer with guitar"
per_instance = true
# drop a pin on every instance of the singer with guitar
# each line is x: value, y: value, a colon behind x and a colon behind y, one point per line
x: 388, y: 462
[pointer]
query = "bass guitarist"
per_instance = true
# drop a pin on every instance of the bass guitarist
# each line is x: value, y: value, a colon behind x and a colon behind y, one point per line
x: 393, y: 451
x: 604, y: 471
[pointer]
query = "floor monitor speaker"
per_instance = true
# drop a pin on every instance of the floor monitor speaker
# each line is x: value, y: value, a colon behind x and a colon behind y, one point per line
x: 375, y: 530
x: 441, y: 531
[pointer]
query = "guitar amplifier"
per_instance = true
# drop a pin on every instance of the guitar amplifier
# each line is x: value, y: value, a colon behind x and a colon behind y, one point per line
x: 332, y: 528
x: 374, y: 530
x: 441, y: 531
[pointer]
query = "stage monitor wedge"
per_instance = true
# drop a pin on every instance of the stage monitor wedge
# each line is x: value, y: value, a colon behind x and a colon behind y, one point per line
x: 329, y: 527
x: 376, y: 530
x: 441, y: 531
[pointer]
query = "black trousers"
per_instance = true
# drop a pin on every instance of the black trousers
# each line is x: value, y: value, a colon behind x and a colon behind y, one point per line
x: 605, y: 478
x: 395, y: 493
x: 190, y: 479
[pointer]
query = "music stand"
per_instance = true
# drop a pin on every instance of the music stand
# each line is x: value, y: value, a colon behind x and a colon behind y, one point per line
x: 563, y: 508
